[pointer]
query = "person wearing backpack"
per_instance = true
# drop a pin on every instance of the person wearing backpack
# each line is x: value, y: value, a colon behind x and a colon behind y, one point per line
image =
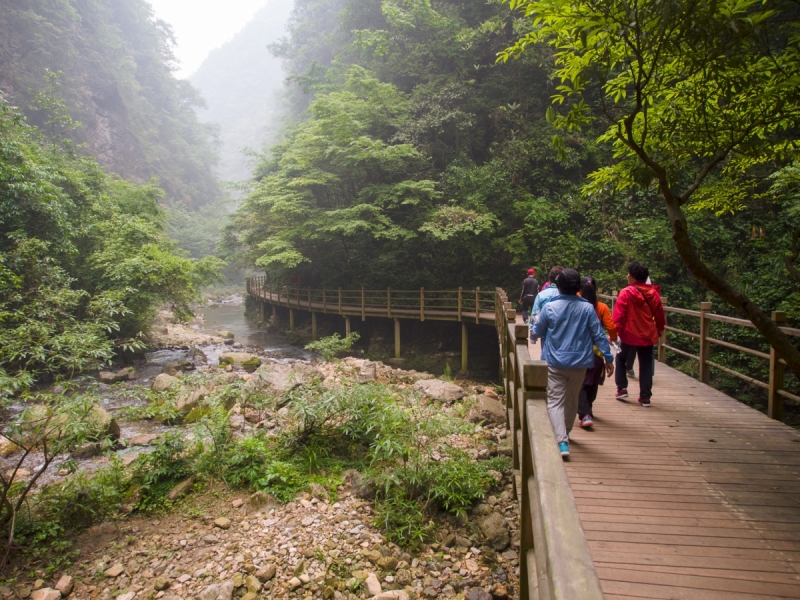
x: 639, y: 318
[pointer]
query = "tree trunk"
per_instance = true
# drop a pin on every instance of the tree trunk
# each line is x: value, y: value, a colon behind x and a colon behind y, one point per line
x: 762, y: 321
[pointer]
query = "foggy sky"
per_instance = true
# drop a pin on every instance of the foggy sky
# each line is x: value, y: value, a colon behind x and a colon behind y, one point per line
x: 202, y: 25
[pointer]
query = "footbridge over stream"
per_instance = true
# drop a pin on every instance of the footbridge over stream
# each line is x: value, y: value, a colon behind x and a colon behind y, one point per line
x: 697, y: 497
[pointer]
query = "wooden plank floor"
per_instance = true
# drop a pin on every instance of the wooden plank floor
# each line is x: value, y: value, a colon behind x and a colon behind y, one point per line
x: 697, y: 497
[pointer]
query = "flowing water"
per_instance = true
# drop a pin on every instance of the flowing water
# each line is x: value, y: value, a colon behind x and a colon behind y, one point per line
x: 224, y: 316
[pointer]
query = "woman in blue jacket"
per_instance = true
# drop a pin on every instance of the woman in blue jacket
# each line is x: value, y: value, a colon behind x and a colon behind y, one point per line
x: 569, y: 327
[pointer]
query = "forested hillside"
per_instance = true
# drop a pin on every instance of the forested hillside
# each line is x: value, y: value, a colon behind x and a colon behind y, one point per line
x: 423, y: 161
x: 240, y: 84
x: 138, y: 120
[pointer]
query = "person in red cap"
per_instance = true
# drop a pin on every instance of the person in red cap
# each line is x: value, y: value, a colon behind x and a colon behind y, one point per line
x: 530, y: 288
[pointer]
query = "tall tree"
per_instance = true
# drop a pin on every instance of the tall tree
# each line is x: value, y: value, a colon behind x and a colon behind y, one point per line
x: 702, y: 98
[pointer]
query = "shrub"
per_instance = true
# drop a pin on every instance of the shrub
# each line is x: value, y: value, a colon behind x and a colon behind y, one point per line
x: 329, y: 347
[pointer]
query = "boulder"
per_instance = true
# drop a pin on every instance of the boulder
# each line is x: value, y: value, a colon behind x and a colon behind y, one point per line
x: 495, y: 530
x: 101, y: 423
x: 319, y: 492
x: 440, y: 390
x: 7, y: 448
x: 117, y: 376
x: 259, y: 500
x: 144, y: 439
x: 488, y: 410
x: 197, y: 356
x: 281, y: 378
x: 177, y: 366
x: 226, y: 335
x: 181, y: 488
x: 186, y: 403
x: 164, y: 382
x: 244, y: 360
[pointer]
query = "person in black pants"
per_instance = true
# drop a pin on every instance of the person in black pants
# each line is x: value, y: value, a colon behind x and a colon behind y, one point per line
x: 530, y: 289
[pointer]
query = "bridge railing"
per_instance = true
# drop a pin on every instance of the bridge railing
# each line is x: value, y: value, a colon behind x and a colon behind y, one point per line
x: 555, y: 561
x: 703, y: 340
x: 458, y: 304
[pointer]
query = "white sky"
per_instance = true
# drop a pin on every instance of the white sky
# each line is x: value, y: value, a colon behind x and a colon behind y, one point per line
x: 202, y: 25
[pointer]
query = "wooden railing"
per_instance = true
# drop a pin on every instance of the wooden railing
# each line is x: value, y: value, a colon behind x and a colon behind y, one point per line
x: 475, y: 306
x: 555, y: 561
x: 776, y: 394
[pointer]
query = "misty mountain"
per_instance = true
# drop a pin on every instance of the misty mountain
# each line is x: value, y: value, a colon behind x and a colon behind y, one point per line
x: 116, y: 62
x: 241, y: 82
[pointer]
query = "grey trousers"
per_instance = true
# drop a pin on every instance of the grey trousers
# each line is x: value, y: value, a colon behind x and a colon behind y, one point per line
x: 563, y: 389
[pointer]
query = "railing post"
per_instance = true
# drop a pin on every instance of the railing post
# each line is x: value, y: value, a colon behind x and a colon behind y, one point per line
x: 775, y: 406
x: 422, y: 304
x: 309, y: 299
x: 314, y: 326
x: 614, y: 294
x: 340, y: 300
x: 363, y: 305
x: 324, y: 301
x: 464, y: 348
x: 291, y: 319
x: 459, y: 303
x: 389, y: 303
x: 396, y: 337
x: 705, y: 345
x: 478, y: 305
x: 662, y: 338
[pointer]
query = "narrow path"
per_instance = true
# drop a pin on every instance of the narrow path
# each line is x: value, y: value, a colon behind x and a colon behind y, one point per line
x: 697, y: 497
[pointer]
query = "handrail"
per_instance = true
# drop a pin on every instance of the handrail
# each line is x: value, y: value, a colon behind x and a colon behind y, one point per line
x: 776, y: 393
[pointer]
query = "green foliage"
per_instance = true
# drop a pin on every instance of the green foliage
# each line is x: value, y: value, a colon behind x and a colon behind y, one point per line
x: 117, y: 63
x: 84, y: 259
x: 329, y: 347
x: 157, y: 472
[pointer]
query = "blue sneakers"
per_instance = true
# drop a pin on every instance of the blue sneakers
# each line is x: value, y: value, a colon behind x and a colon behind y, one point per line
x: 563, y: 447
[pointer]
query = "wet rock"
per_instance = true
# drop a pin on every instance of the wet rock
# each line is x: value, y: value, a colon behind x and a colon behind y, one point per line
x: 181, y: 488
x: 440, y: 390
x: 164, y: 382
x: 110, y: 377
x: 144, y: 439
x: 489, y: 411
x: 495, y: 529
x: 46, y: 594
x: 243, y: 360
x: 65, y: 585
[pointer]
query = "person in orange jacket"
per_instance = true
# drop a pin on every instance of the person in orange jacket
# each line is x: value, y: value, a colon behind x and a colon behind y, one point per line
x: 639, y: 317
x: 595, y: 375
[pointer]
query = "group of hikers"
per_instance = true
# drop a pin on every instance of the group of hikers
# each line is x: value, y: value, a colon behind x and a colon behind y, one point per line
x: 576, y: 332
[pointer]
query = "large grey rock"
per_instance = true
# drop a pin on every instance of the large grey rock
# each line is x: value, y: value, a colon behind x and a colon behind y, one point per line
x: 495, y: 530
x: 440, y: 390
x: 243, y: 360
x: 164, y: 382
x: 110, y: 377
x: 488, y: 410
x: 187, y: 402
x: 280, y: 378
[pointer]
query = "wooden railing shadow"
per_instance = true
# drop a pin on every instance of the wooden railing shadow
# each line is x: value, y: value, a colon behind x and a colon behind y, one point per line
x: 555, y: 562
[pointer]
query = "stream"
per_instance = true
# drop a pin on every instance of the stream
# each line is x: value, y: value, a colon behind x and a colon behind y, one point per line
x: 228, y: 315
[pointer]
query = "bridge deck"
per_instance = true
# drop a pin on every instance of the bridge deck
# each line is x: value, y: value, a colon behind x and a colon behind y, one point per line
x: 695, y: 497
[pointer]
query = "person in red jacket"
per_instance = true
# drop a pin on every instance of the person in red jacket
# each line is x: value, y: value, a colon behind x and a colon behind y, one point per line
x: 639, y: 317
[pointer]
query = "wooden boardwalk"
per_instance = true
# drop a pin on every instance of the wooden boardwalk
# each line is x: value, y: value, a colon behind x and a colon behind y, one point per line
x: 697, y: 497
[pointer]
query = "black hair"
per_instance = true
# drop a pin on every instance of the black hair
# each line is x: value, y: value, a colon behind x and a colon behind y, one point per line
x: 568, y: 282
x: 589, y: 290
x: 555, y: 272
x: 638, y: 271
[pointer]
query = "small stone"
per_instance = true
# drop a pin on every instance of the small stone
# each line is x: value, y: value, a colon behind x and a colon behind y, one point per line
x: 372, y: 584
x: 392, y: 595
x: 222, y: 523
x: 184, y: 578
x: 128, y: 596
x: 161, y: 584
x: 237, y: 503
x: 65, y: 585
x: 250, y: 596
x: 226, y: 590
x: 478, y: 594
x: 294, y: 583
x: 305, y: 578
x: 210, y: 593
x: 253, y: 584
x: 144, y: 439
x: 388, y: 563
x: 38, y: 584
x: 238, y: 580
x: 115, y: 571
x: 267, y: 573
x: 46, y: 594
